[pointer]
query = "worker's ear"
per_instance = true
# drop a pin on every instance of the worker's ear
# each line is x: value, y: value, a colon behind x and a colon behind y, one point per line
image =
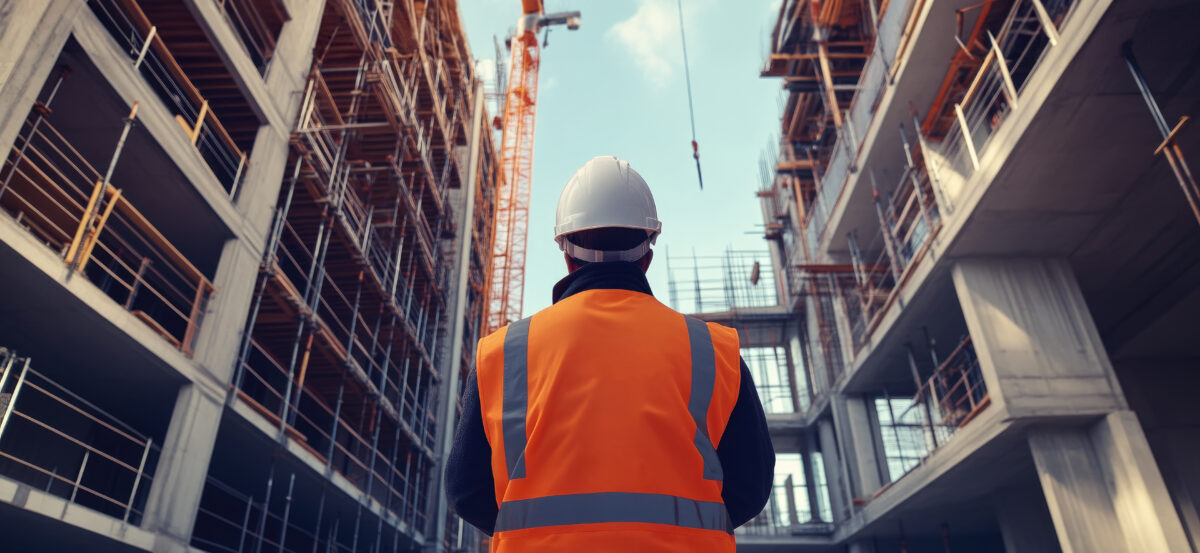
x: 645, y: 262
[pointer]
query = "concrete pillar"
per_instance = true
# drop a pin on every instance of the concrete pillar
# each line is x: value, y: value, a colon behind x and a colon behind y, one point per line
x: 1103, y: 490
x: 1078, y: 500
x: 1038, y: 346
x: 819, y: 371
x: 182, y: 467
x: 34, y: 34
x: 1025, y: 523
x: 856, y: 431
x: 810, y: 476
x: 839, y: 496
x: 1139, y: 495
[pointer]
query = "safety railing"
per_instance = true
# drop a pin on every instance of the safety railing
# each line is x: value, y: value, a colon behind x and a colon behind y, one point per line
x: 54, y: 440
x: 134, y: 32
x: 779, y: 389
x: 257, y: 25
x: 908, y: 217
x: 52, y: 190
x: 1030, y: 30
x: 913, y: 428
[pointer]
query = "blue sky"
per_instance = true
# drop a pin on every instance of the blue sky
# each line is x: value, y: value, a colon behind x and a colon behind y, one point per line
x: 616, y: 86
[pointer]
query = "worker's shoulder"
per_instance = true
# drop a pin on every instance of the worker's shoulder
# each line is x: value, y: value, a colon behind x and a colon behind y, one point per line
x: 719, y: 331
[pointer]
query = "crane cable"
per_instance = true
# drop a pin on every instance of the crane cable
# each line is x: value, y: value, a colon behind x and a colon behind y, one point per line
x: 691, y: 108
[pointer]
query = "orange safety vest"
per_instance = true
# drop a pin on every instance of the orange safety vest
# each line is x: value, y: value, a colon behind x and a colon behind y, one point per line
x: 603, y: 413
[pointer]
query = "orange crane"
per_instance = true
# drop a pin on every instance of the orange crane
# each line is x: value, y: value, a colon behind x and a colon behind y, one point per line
x: 506, y: 285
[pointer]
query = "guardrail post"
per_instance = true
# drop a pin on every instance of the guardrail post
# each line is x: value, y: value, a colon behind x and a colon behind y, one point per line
x: 145, y: 47
x: 1009, y: 89
x: 1047, y: 24
x: 966, y: 134
x: 79, y: 476
x: 137, y: 480
x: 246, y: 522
x: 12, y: 400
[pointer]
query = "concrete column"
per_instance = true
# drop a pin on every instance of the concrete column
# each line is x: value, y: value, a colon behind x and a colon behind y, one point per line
x: 1103, y: 490
x: 1038, y: 346
x: 855, y: 428
x: 839, y: 497
x: 1139, y: 495
x: 182, y: 467
x: 810, y: 476
x: 820, y: 373
x: 1025, y: 523
x: 34, y: 34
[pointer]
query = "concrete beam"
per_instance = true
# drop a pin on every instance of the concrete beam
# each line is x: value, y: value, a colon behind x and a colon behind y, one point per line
x: 1037, y: 344
x: 34, y: 33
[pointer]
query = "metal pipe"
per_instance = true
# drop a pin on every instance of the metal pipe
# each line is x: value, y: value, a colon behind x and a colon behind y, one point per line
x: 287, y: 509
x: 12, y: 400
x: 79, y: 477
x: 137, y: 480
x: 262, y: 521
x: 245, y: 524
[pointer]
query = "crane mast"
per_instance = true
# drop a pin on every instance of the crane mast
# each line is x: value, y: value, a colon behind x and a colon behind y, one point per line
x: 506, y: 285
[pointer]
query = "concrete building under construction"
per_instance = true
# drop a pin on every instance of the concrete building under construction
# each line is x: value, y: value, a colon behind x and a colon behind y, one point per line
x: 986, y: 250
x: 244, y: 251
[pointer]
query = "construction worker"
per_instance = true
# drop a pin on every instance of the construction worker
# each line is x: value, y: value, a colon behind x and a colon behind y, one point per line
x: 608, y: 421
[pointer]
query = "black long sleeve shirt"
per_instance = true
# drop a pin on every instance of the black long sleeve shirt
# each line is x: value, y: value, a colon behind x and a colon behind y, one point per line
x: 745, y: 451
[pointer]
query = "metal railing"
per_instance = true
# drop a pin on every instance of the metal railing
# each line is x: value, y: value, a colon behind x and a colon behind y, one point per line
x: 780, y: 390
x: 134, y: 32
x: 52, y: 190
x: 908, y: 217
x: 53, y: 439
x: 1030, y: 30
x: 947, y: 400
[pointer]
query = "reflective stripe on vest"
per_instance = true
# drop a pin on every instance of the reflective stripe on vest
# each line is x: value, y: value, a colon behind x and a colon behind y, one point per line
x: 593, y: 508
x: 516, y: 396
x: 704, y: 377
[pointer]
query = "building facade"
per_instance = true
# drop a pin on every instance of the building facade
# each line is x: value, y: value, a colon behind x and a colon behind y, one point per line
x: 244, y: 246
x: 986, y: 248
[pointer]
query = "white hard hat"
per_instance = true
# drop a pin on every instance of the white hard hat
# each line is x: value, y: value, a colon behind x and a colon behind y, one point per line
x: 606, y: 193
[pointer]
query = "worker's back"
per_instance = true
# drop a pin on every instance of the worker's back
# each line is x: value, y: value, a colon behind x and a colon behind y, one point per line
x: 591, y: 410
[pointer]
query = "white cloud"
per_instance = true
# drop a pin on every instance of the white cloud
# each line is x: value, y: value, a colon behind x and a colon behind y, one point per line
x: 773, y: 7
x: 651, y: 38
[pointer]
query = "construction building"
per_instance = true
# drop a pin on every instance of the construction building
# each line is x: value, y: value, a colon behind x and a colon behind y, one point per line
x: 985, y: 249
x: 245, y: 245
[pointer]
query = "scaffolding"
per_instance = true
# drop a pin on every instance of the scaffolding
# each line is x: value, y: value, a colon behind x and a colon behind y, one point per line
x: 345, y: 338
x: 736, y: 279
